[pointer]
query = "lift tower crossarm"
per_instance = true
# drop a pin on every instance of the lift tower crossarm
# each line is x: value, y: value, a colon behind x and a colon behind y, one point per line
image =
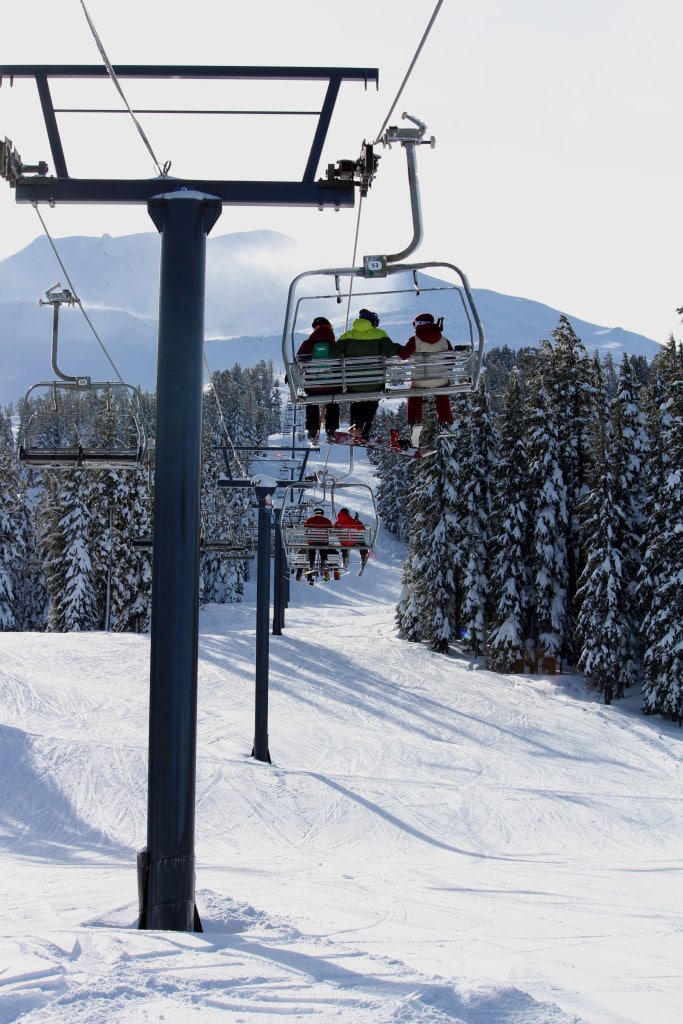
x: 62, y: 187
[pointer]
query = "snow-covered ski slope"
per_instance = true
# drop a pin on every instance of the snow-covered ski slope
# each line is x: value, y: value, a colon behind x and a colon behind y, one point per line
x: 431, y: 843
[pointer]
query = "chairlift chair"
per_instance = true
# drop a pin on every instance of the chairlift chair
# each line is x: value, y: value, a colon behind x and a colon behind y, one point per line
x: 299, y: 503
x: 450, y: 373
x: 315, y: 381
x: 65, y: 424
x: 75, y: 421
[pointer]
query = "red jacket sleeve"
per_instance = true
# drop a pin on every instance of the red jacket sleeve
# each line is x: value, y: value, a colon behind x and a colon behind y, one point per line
x: 404, y: 351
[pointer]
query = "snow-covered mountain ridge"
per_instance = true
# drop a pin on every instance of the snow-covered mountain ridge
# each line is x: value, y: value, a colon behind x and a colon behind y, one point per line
x: 248, y: 274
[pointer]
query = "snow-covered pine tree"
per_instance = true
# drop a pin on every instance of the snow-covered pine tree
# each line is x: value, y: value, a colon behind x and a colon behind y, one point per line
x: 11, y: 542
x: 223, y: 510
x: 629, y: 448
x: 121, y: 511
x: 606, y: 629
x: 395, y: 475
x: 70, y: 579
x: 392, y: 496
x: 429, y: 583
x: 661, y: 571
x: 653, y: 556
x: 568, y: 380
x: 551, y: 621
x: 121, y: 514
x: 477, y: 497
x: 266, y: 399
x: 510, y: 570
x: 30, y: 594
x: 407, y: 616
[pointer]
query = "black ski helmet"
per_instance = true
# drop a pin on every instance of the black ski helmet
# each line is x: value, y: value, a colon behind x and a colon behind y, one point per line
x: 367, y: 314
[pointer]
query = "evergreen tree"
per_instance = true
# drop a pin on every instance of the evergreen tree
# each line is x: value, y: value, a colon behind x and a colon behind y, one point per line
x: 121, y: 515
x: 569, y: 384
x: 478, y: 500
x: 11, y: 542
x: 407, y: 616
x: 510, y: 544
x: 393, y: 492
x: 425, y: 610
x: 221, y: 578
x: 456, y: 468
x: 654, y: 401
x: 30, y: 593
x: 551, y: 622
x: 661, y: 573
x: 395, y: 476
x: 71, y: 582
x: 629, y: 447
x: 606, y: 627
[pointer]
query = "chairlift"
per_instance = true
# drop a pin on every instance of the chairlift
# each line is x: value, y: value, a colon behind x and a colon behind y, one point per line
x: 440, y: 286
x: 232, y: 540
x: 298, y: 505
x: 75, y: 421
x: 225, y: 531
x: 315, y: 381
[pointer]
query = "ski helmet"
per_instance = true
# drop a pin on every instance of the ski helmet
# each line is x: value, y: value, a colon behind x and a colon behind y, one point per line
x: 366, y: 314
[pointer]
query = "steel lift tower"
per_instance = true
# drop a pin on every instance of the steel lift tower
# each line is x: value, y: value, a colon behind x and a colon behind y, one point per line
x: 183, y: 211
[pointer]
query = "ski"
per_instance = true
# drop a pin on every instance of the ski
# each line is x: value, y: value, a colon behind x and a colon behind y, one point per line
x: 413, y: 453
x: 313, y: 575
x: 390, y: 446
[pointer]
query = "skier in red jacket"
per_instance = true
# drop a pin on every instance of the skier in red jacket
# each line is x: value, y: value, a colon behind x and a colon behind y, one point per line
x: 345, y: 521
x: 318, y: 345
x: 427, y: 339
x: 318, y: 521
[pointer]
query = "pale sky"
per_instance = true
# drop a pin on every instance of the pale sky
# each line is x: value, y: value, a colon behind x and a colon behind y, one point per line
x: 555, y: 174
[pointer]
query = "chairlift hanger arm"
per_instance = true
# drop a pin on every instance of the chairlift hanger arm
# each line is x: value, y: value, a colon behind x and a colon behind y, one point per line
x: 364, y: 170
x: 55, y: 297
x: 409, y: 138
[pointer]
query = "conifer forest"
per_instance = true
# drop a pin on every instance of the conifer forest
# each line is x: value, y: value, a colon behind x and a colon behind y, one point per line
x: 546, y: 534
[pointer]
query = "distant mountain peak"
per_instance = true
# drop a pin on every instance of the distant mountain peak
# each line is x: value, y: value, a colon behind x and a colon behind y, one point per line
x: 248, y: 275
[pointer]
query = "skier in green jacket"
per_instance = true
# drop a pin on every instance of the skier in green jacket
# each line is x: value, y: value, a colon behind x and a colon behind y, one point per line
x: 364, y: 339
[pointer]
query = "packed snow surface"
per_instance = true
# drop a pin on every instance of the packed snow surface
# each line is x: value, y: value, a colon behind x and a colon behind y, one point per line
x: 432, y: 842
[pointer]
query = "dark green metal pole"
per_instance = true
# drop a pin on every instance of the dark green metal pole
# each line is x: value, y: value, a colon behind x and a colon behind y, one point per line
x: 265, y: 509
x: 184, y: 219
x: 279, y: 569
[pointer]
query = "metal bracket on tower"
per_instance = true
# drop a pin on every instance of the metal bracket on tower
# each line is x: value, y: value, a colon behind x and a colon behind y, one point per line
x: 361, y: 172
x: 12, y: 166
